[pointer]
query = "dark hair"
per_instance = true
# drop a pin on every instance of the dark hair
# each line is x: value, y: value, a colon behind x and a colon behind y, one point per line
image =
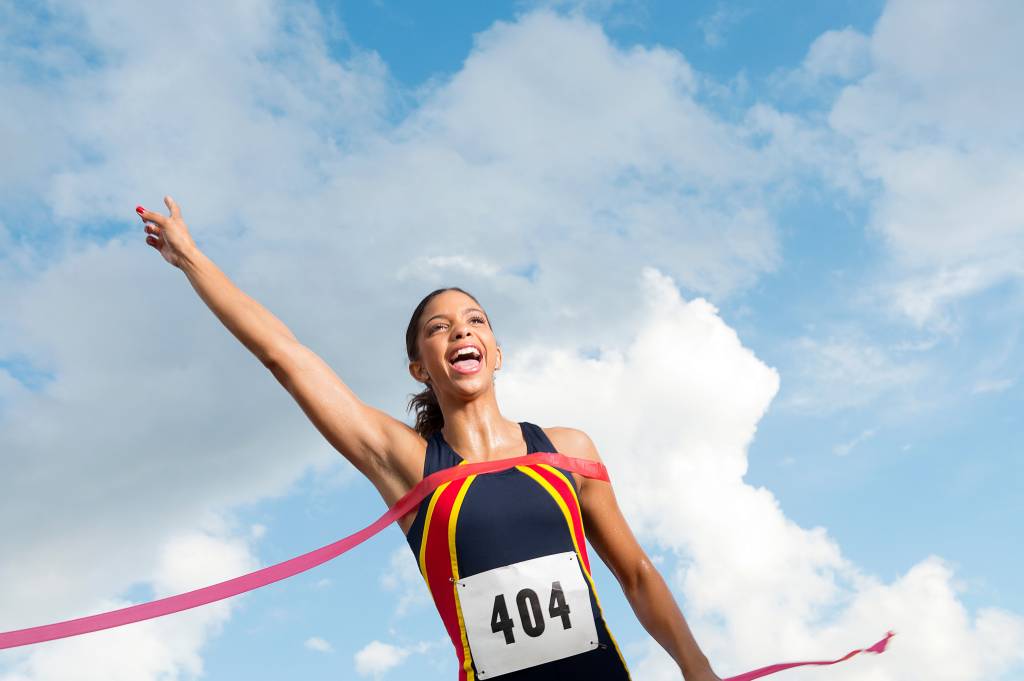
x: 429, y: 418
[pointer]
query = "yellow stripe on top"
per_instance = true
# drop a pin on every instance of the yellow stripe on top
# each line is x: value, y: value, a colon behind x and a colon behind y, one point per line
x: 434, y: 496
x: 467, y: 663
x: 572, y: 531
x: 426, y: 528
x: 561, y: 504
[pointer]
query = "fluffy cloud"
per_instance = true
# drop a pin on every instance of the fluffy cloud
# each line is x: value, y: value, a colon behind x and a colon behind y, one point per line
x: 318, y: 644
x: 715, y: 25
x: 167, y: 648
x: 844, y: 448
x: 934, y: 124
x: 840, y: 54
x: 639, y: 160
x: 403, y: 576
x: 377, y: 658
x: 843, y: 372
x: 673, y: 413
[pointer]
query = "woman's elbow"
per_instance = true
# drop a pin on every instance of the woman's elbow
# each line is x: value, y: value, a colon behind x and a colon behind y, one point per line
x: 635, y: 572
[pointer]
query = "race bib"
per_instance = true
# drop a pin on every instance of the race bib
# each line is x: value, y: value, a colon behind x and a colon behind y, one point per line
x: 527, y: 613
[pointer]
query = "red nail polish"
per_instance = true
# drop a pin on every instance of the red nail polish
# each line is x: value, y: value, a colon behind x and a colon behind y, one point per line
x: 139, y: 209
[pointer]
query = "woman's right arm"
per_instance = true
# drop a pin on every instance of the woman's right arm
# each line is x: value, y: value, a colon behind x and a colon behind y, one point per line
x: 376, y: 443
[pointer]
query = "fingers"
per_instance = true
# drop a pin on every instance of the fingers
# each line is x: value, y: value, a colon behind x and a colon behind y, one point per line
x: 158, y: 218
x: 154, y: 238
x: 152, y: 225
x: 175, y: 211
x: 150, y: 216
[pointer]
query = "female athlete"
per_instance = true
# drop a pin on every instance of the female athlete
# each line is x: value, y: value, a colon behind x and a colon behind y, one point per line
x: 503, y: 554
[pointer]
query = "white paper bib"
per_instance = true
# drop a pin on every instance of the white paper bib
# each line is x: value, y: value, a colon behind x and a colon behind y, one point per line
x: 527, y: 613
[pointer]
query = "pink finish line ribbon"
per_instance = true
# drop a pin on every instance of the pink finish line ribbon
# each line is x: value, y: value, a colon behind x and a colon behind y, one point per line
x: 772, y: 668
x: 273, y: 573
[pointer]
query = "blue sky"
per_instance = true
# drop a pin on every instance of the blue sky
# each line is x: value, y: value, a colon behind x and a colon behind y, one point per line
x: 775, y: 253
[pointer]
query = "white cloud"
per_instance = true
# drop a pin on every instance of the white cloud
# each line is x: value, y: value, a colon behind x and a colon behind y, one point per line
x: 318, y: 644
x: 377, y: 658
x: 610, y: 13
x: 639, y: 160
x: 919, y: 125
x: 163, y: 649
x: 316, y: 185
x: 934, y: 124
x: 847, y: 371
x: 128, y: 445
x: 154, y: 418
x: 715, y: 25
x: 435, y: 268
x: 844, y: 448
x: 673, y: 413
x: 403, y: 576
x: 833, y: 60
x: 842, y: 54
x: 992, y: 385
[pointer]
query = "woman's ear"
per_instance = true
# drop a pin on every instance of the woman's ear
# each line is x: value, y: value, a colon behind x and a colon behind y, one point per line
x: 497, y: 364
x: 418, y: 373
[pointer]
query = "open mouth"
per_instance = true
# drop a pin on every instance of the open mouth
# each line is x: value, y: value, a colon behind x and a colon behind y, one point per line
x: 466, y: 360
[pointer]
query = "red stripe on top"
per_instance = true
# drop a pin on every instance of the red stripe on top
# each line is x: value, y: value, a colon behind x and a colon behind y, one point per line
x: 438, y: 563
x: 562, y: 487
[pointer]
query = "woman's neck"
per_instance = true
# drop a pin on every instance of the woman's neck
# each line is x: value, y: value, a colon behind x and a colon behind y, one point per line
x: 479, y: 432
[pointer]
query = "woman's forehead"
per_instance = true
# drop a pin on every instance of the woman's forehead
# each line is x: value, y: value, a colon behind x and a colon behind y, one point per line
x: 454, y: 302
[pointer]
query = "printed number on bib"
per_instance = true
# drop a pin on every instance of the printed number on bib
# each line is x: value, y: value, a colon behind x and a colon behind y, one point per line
x: 527, y: 613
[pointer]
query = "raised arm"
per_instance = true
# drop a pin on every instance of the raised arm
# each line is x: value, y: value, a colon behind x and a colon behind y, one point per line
x: 378, y: 445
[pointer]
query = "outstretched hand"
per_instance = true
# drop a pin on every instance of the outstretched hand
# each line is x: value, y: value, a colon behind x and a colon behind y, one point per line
x: 168, y: 234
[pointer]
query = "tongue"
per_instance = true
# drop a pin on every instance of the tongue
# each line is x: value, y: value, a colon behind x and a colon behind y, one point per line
x: 467, y: 364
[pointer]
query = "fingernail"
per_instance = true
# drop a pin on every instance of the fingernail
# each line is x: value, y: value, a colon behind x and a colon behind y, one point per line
x: 140, y: 210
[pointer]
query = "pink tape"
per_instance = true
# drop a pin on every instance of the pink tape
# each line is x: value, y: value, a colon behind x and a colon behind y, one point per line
x: 771, y: 669
x: 293, y: 566
x: 262, y: 577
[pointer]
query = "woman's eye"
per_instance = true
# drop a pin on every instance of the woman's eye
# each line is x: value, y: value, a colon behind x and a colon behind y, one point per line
x: 438, y: 325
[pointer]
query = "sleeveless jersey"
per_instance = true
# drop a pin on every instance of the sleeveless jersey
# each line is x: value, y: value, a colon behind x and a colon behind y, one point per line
x: 505, y: 559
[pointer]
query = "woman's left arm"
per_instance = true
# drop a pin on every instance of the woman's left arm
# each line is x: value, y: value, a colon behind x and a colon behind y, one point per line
x: 646, y: 591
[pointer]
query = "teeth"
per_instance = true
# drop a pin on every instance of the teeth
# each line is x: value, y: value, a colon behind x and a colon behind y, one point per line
x: 464, y: 352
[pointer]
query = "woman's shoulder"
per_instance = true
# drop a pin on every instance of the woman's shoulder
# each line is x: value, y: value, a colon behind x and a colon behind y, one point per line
x: 572, y: 442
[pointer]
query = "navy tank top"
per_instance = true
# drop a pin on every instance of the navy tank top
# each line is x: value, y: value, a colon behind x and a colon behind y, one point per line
x: 505, y: 559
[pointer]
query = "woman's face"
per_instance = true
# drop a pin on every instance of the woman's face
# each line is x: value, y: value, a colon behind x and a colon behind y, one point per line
x: 450, y: 321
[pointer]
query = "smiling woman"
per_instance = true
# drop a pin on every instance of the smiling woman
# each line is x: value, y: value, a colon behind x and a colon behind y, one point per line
x: 503, y: 553
x: 429, y: 416
x: 498, y: 536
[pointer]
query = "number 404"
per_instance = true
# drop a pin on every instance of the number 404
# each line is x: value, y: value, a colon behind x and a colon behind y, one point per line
x: 530, y: 614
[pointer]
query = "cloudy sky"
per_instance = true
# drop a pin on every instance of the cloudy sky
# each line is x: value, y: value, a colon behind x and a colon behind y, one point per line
x: 770, y: 260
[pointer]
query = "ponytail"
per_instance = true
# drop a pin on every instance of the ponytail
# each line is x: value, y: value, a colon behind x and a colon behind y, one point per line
x: 429, y: 418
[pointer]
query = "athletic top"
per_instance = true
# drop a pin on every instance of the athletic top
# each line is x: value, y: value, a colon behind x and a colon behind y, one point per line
x: 504, y: 557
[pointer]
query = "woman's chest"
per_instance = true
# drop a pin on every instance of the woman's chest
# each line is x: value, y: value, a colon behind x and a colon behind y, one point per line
x: 509, y: 517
